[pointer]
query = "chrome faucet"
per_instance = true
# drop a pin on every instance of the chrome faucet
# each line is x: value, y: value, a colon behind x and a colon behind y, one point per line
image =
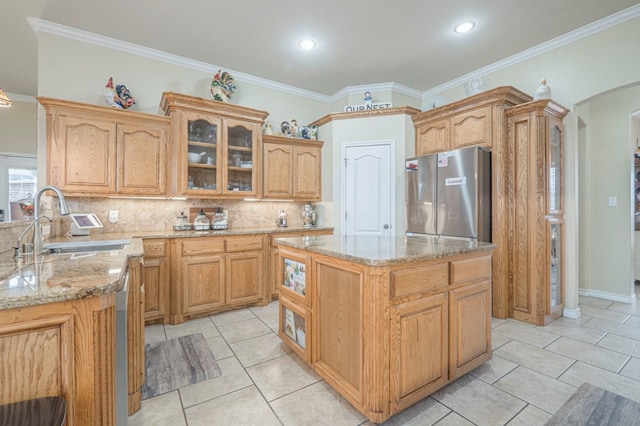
x: 64, y: 211
x: 19, y: 251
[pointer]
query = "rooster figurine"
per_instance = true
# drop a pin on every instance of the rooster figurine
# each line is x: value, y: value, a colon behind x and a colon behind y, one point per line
x: 110, y: 94
x: 118, y: 97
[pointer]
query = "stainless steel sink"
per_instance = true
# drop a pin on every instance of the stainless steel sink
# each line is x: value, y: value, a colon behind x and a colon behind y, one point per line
x: 82, y: 246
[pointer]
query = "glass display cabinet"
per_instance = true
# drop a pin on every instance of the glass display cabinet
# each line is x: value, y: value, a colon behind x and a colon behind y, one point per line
x: 536, y: 211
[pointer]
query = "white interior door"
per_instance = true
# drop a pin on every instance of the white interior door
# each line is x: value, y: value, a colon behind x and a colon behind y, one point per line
x: 368, y: 192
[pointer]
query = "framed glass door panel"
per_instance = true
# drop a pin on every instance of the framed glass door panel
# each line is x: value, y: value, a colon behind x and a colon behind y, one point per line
x: 555, y: 264
x: 202, y: 157
x: 241, y: 156
x: 555, y: 170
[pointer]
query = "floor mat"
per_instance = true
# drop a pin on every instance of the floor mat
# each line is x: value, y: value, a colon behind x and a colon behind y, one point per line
x: 175, y: 363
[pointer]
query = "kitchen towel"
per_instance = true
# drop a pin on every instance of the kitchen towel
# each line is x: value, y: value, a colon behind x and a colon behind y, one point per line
x: 175, y: 363
x: 590, y: 405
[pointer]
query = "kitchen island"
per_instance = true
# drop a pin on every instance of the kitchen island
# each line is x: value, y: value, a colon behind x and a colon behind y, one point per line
x: 386, y: 321
x: 58, y: 329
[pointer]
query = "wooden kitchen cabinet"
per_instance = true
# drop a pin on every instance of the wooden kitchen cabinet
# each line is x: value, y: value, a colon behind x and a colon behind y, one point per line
x: 212, y: 274
x: 96, y: 151
x: 157, y: 267
x: 62, y: 349
x: 135, y: 335
x: 229, y: 139
x: 461, y: 129
x: 274, y: 275
x: 292, y: 168
x: 535, y: 220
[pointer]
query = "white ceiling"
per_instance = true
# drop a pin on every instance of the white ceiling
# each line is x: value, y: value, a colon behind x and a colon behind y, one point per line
x: 360, y: 42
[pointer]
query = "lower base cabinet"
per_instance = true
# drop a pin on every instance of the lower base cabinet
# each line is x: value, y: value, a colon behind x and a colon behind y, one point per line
x: 212, y: 274
x: 386, y: 337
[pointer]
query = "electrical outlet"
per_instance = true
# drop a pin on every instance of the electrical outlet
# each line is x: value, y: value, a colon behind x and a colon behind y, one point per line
x: 45, y: 230
x: 113, y: 216
x: 46, y: 202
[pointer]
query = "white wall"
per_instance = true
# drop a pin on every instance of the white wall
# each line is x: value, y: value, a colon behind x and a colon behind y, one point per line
x: 18, y: 125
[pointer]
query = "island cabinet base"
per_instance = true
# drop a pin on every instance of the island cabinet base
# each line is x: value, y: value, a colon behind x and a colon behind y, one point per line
x: 387, y: 336
x: 62, y: 349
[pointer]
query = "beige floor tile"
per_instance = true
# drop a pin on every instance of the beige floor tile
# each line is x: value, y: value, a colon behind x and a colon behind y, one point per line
x: 154, y: 333
x: 267, y: 314
x: 587, y: 335
x: 606, y: 314
x: 493, y: 369
x: 536, y: 388
x: 497, y: 321
x: 425, y: 412
x: 629, y: 308
x: 198, y: 325
x: 474, y: 399
x: 530, y: 416
x: 243, y: 330
x: 259, y: 349
x: 594, y: 355
x: 232, y: 316
x: 568, y: 322
x: 317, y: 404
x: 580, y: 373
x: 632, y: 369
x: 614, y: 327
x: 162, y: 410
x: 243, y: 407
x: 274, y: 326
x: 454, y: 419
x: 233, y: 378
x: 526, y: 333
x: 219, y: 347
x: 621, y: 344
x: 540, y: 360
x: 633, y: 320
x: 498, y: 340
x: 594, y: 301
x: 281, y: 376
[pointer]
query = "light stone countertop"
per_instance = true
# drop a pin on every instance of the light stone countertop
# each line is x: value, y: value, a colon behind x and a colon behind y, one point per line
x: 35, y: 280
x: 384, y: 251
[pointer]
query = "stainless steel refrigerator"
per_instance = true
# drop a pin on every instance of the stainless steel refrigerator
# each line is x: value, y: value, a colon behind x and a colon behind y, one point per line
x: 449, y: 194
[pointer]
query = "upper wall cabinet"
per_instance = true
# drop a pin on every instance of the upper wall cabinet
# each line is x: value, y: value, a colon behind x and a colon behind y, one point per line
x: 97, y: 151
x: 217, y: 147
x: 292, y: 168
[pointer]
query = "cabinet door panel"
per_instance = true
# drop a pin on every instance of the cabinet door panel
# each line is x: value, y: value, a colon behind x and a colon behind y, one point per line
x: 156, y: 286
x: 278, y: 171
x: 471, y: 128
x: 432, y: 137
x: 203, y: 283
x: 244, y: 277
x: 307, y: 168
x: 419, y: 349
x: 142, y: 158
x: 470, y: 327
x: 83, y: 155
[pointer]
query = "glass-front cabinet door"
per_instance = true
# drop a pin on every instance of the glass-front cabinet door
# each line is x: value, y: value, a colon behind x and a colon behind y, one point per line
x: 555, y: 264
x: 555, y: 170
x: 203, y: 155
x: 241, y: 157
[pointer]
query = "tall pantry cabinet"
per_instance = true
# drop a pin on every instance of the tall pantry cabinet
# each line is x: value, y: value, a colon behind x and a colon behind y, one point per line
x: 535, y: 222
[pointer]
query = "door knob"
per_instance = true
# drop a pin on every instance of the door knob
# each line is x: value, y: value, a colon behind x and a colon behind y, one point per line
x: 386, y: 226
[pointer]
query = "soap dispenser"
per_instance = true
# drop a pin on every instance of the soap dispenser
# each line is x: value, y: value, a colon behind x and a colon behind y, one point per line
x: 201, y: 222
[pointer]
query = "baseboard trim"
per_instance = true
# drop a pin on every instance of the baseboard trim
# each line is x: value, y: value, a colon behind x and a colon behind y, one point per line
x: 572, y: 313
x: 608, y: 296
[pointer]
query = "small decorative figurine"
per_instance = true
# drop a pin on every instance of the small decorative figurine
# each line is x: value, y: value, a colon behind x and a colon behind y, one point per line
x: 118, y: 98
x: 222, y: 86
x: 543, y: 91
x: 367, y: 98
x: 293, y: 128
x: 284, y: 128
x: 268, y: 130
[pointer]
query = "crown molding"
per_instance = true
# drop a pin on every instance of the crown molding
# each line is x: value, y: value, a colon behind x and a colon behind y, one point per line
x: 15, y: 97
x: 40, y: 25
x: 570, y: 37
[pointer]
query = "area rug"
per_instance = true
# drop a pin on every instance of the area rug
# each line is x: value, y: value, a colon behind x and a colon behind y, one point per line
x: 590, y: 405
x: 175, y: 363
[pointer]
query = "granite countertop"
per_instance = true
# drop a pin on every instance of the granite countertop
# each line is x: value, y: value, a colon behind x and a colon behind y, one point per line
x: 384, y: 251
x: 36, y: 280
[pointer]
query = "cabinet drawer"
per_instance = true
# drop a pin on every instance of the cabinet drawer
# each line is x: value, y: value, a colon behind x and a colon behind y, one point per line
x: 470, y: 269
x: 244, y: 244
x: 155, y: 248
x: 427, y: 280
x: 203, y: 246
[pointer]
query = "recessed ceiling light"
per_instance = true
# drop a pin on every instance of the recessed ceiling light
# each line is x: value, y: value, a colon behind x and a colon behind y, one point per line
x: 464, y: 27
x: 307, y: 43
